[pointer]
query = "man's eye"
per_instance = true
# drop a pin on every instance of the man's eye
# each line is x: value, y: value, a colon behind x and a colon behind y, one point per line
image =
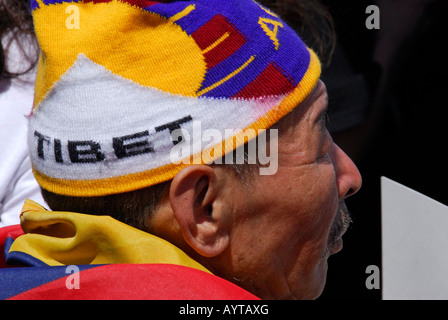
x: 324, y: 158
x: 325, y: 120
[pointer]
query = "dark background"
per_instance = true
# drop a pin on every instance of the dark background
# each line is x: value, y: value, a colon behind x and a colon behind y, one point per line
x: 387, y: 91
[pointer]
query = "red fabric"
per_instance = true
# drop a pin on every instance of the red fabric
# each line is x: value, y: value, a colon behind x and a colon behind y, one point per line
x: 6, y: 232
x: 138, y: 3
x: 140, y: 282
x: 210, y: 32
x: 270, y: 82
x: 97, y: 1
x: 141, y: 3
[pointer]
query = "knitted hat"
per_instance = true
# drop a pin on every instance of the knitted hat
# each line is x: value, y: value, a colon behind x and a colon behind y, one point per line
x: 117, y: 77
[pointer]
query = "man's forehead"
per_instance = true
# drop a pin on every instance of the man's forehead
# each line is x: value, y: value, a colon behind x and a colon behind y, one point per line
x: 315, y: 104
x: 299, y: 131
x: 319, y: 95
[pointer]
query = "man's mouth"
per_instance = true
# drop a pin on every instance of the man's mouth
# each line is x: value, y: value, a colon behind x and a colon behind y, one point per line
x: 340, y: 226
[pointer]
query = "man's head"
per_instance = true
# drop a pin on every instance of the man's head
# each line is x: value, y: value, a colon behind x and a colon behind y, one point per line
x: 270, y: 234
x: 239, y: 65
x: 273, y: 235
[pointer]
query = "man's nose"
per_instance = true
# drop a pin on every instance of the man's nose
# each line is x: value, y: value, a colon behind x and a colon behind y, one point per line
x: 349, y: 179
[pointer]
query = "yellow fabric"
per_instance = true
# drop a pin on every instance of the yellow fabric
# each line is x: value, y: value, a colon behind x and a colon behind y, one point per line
x: 67, y: 238
x: 123, y: 52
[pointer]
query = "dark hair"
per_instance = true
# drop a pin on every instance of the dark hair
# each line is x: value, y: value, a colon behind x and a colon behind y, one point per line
x: 311, y: 20
x: 133, y: 208
x: 16, y: 22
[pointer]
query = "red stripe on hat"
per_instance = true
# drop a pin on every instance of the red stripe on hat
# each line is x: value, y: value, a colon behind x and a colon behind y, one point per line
x: 141, y: 3
x: 138, y: 3
x: 271, y: 82
x: 97, y: 1
x: 208, y: 36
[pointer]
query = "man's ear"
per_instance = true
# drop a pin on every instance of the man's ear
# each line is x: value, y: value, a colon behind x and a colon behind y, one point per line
x: 199, y: 205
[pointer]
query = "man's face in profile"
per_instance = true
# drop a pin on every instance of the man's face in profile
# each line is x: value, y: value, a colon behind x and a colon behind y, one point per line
x: 288, y: 224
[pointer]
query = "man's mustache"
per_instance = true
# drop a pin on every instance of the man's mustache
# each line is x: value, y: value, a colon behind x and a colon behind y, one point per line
x: 340, y: 225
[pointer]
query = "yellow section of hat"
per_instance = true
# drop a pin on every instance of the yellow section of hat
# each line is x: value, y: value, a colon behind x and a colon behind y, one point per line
x: 138, y: 45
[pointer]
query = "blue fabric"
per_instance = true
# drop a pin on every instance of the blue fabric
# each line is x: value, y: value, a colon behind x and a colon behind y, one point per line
x: 14, y: 281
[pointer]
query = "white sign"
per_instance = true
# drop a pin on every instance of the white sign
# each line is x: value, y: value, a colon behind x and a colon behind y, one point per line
x: 414, y: 244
